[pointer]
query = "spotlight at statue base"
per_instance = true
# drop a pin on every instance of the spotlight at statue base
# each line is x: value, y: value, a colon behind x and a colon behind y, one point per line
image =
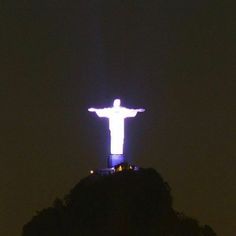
x: 115, y: 159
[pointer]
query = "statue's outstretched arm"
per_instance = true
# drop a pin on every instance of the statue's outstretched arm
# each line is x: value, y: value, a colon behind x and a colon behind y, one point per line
x: 140, y: 110
x: 133, y: 112
x: 100, y: 112
x: 92, y: 109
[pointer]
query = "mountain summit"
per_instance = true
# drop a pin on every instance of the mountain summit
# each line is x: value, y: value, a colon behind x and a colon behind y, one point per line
x: 126, y: 202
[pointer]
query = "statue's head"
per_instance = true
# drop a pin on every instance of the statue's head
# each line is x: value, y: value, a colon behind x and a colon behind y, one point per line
x: 116, y: 103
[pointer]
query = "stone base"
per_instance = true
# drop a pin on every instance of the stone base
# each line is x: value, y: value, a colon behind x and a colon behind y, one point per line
x: 115, y: 159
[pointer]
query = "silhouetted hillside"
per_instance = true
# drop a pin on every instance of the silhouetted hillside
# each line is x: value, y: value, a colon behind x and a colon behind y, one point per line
x: 124, y: 203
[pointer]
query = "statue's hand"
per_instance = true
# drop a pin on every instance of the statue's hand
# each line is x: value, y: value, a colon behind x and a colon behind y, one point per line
x: 91, y: 109
x: 140, y: 110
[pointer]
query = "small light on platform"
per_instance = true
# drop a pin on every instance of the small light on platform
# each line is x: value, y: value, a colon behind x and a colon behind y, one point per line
x: 91, y: 171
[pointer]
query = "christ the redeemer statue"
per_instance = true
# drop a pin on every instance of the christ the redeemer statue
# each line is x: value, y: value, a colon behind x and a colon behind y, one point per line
x: 116, y: 116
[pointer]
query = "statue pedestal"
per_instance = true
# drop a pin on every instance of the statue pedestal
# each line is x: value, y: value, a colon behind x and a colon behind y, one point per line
x: 115, y: 159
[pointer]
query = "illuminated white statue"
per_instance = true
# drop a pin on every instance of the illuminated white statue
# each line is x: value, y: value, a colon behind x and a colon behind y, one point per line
x: 116, y: 116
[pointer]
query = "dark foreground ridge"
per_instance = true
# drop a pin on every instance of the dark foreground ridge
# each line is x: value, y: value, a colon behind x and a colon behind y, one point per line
x: 123, y: 203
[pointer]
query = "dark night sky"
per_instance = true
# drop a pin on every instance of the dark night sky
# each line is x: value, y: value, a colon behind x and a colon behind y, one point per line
x: 175, y: 58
